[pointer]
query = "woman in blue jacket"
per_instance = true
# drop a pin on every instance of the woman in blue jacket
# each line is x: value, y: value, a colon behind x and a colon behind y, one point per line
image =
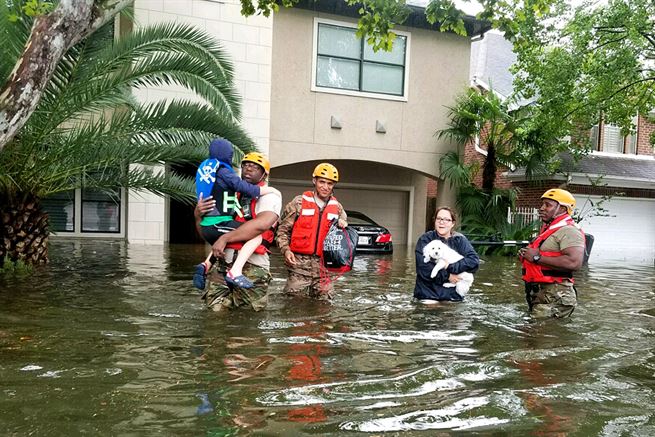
x: 428, y: 288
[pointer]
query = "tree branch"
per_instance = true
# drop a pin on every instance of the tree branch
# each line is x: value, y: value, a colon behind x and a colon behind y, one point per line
x: 52, y: 35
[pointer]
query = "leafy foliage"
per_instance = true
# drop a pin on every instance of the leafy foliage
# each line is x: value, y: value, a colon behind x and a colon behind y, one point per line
x: 588, y: 62
x: 378, y: 18
x: 89, y: 129
x: 484, y: 214
x: 509, y: 135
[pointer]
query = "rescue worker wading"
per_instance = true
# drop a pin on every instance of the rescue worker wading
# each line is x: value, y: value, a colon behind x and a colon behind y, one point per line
x: 550, y: 259
x: 304, y: 224
x: 259, y: 217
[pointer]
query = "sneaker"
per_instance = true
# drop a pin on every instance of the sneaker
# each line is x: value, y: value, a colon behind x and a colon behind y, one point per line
x: 238, y: 281
x: 199, y: 276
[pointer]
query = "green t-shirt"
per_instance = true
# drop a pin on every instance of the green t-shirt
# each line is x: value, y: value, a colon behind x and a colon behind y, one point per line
x: 214, y: 220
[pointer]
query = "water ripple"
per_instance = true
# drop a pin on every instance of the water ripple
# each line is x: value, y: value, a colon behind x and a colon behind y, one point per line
x: 417, y: 383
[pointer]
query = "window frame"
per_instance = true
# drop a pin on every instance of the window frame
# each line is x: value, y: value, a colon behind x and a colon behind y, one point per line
x: 356, y: 93
x: 598, y: 147
x: 120, y: 213
x: 77, y: 220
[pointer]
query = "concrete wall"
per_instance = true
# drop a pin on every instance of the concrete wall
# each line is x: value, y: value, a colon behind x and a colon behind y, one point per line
x: 248, y: 43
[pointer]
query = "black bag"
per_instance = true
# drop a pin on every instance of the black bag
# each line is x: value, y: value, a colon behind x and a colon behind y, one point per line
x: 339, y: 248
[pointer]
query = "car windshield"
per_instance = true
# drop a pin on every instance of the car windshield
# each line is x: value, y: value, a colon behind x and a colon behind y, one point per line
x: 357, y: 218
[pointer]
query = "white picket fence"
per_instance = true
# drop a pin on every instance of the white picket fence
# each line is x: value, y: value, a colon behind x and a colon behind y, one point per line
x: 523, y: 215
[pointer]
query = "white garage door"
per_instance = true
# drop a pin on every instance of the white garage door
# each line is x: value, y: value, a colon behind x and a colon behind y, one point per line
x: 387, y: 208
x: 628, y: 233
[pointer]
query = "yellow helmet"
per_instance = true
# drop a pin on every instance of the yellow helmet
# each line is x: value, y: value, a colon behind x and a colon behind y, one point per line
x: 562, y: 197
x: 326, y: 171
x: 259, y: 159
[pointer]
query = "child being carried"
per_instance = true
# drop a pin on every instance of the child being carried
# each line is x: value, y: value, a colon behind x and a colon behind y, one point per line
x: 215, y: 177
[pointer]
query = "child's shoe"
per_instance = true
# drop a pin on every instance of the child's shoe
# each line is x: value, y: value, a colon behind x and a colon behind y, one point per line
x: 238, y: 281
x: 199, y: 276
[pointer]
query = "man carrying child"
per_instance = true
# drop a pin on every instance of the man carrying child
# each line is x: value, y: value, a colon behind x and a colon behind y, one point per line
x: 259, y: 217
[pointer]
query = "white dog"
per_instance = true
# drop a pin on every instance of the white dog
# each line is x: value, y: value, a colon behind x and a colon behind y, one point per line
x: 444, y: 255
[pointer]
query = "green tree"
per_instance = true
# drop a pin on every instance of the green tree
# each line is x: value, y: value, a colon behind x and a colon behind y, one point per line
x: 595, y: 60
x: 88, y: 130
x: 509, y: 135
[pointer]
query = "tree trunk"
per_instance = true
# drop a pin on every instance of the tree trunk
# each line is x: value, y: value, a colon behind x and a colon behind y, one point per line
x: 52, y: 35
x: 489, y: 170
x: 24, y: 232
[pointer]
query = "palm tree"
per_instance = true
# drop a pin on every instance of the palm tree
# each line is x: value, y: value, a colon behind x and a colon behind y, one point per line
x: 89, y: 130
x: 484, y: 117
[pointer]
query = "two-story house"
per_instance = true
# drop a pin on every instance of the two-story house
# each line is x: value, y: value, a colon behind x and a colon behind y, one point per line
x: 313, y: 91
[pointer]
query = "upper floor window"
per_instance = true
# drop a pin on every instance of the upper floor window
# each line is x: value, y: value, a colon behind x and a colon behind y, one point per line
x: 347, y: 64
x: 608, y: 138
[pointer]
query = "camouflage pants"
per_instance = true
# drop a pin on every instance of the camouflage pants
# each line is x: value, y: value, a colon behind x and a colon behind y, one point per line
x: 305, y: 279
x: 551, y: 300
x: 219, y: 296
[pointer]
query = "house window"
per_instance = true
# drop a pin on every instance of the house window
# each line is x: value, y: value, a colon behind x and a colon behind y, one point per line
x: 612, y: 140
x: 100, y: 211
x: 347, y: 64
x: 86, y: 212
x: 61, y: 211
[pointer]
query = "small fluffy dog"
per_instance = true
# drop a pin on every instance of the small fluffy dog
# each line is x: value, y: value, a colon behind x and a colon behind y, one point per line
x: 442, y: 254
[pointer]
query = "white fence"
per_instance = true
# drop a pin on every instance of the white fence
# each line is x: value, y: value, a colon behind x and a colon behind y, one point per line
x: 523, y: 215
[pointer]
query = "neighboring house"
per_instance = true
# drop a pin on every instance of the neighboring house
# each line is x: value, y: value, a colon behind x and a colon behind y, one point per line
x: 626, y: 166
x: 315, y: 92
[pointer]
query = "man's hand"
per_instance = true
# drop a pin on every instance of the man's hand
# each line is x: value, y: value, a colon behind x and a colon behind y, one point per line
x: 528, y: 253
x: 218, y: 248
x: 204, y: 206
x: 342, y: 223
x: 290, y: 258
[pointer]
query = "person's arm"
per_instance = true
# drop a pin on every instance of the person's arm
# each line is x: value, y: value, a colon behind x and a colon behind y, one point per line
x: 570, y: 259
x: 284, y: 229
x: 233, y: 182
x: 571, y: 241
x: 343, y: 217
x: 246, y: 231
x: 469, y: 263
x: 202, y: 207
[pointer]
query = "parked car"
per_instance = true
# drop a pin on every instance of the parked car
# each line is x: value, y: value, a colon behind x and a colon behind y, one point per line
x: 372, y: 237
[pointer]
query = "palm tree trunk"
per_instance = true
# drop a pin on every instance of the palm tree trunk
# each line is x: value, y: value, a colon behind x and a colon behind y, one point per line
x: 24, y: 232
x: 489, y: 169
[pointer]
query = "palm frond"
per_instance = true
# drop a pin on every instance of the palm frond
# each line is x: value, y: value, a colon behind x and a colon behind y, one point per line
x: 89, y: 131
x: 97, y: 76
x: 454, y: 170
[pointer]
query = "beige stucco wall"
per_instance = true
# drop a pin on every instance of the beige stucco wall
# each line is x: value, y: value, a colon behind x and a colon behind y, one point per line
x: 300, y: 117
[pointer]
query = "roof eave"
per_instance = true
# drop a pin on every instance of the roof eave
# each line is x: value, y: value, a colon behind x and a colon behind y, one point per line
x: 416, y: 18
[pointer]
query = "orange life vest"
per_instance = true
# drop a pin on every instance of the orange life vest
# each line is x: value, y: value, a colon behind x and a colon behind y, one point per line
x: 535, y: 273
x: 312, y: 225
x: 248, y: 213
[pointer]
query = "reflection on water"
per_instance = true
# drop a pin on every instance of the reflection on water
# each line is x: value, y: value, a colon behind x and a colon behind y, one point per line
x: 112, y: 339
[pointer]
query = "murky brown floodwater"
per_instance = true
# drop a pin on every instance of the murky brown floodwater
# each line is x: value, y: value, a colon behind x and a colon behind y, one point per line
x: 112, y: 339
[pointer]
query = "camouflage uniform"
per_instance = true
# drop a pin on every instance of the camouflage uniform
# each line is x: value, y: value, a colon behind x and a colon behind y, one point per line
x: 551, y: 300
x: 305, y: 277
x: 219, y: 296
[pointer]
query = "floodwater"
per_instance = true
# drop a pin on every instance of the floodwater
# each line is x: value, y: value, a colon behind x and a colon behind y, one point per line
x: 111, y: 339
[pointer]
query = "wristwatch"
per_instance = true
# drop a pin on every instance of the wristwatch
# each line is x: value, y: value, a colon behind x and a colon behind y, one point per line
x: 536, y: 258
